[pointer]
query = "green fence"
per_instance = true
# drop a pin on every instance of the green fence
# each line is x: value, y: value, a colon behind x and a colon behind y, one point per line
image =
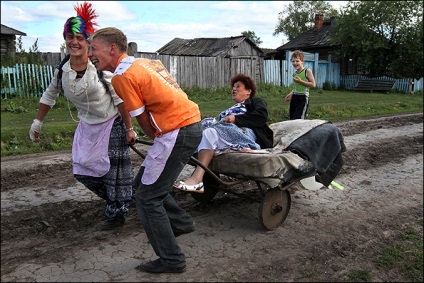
x: 31, y: 80
x: 25, y: 80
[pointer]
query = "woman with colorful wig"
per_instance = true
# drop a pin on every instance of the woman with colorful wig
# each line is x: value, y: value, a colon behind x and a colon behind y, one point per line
x: 100, y: 150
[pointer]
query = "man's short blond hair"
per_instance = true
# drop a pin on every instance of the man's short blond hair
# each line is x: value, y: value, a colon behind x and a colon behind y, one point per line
x: 112, y: 35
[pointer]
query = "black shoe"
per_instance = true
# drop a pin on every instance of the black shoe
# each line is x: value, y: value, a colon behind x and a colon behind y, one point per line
x: 157, y: 267
x: 179, y: 233
x: 111, y: 224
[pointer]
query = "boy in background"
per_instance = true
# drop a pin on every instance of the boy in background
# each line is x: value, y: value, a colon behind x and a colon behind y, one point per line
x: 303, y: 80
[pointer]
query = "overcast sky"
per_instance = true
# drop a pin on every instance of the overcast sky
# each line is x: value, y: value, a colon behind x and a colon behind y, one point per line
x: 150, y: 24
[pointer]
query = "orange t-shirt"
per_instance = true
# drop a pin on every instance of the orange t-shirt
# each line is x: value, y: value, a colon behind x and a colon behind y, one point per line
x: 146, y: 85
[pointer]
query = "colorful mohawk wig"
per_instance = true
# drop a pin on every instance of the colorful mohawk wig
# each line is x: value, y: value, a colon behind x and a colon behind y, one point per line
x: 84, y: 21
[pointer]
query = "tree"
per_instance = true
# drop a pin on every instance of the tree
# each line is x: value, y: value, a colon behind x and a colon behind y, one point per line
x: 19, y: 44
x: 299, y: 17
x: 20, y: 51
x: 34, y: 53
x: 385, y: 37
x: 252, y: 36
x: 33, y: 56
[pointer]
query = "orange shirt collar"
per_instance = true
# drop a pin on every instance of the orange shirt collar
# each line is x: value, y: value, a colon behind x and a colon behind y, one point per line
x: 125, y: 55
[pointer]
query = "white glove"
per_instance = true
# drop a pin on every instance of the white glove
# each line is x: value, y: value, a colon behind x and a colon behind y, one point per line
x: 35, y: 127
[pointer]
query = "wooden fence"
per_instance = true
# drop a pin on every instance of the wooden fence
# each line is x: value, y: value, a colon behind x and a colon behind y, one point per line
x: 401, y: 85
x: 204, y: 72
x: 280, y: 72
x: 207, y: 72
x: 25, y: 80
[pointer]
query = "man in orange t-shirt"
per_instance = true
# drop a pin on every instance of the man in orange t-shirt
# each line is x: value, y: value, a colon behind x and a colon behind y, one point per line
x: 167, y: 116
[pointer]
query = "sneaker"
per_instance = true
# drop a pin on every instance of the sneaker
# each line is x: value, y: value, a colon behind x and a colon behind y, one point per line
x: 157, y: 267
x: 111, y: 224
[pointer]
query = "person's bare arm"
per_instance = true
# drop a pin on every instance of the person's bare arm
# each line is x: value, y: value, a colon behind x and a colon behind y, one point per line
x: 311, y: 79
x: 288, y: 96
x: 43, y: 109
x: 144, y: 121
x: 131, y: 134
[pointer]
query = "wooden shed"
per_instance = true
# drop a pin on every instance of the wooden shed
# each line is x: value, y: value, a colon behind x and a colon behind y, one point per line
x: 227, y: 47
x: 223, y: 56
x: 8, y: 40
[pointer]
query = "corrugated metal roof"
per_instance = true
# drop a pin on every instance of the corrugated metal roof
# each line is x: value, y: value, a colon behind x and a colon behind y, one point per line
x: 312, y: 38
x: 208, y: 47
x: 8, y: 30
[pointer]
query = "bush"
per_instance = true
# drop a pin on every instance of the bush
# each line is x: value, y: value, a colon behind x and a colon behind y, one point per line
x: 329, y: 86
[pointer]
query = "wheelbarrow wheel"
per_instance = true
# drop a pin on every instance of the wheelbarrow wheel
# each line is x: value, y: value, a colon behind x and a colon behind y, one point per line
x: 274, y: 208
x: 211, y: 187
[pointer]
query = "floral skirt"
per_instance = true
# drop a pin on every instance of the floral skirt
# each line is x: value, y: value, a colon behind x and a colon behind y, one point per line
x: 115, y: 187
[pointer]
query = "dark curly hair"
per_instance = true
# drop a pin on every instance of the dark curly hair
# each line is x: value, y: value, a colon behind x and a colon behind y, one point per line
x: 247, y: 81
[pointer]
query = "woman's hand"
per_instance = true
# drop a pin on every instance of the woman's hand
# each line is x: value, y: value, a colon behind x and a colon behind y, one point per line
x: 230, y: 119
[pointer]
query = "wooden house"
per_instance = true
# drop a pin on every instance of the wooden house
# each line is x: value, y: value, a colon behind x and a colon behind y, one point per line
x: 271, y: 54
x: 8, y: 40
x: 317, y: 40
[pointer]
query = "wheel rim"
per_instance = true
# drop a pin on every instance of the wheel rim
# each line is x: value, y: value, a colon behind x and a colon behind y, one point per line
x: 274, y: 208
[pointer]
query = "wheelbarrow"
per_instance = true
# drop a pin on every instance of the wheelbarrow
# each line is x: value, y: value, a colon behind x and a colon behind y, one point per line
x: 273, y: 170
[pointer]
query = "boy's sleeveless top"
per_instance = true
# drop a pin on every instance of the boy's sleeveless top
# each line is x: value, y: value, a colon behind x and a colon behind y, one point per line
x: 298, y: 88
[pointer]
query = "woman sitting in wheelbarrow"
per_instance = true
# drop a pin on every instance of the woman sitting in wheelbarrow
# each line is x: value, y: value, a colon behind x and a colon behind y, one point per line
x: 240, y: 127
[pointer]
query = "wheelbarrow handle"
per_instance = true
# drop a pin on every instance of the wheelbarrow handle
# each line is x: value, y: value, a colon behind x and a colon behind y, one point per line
x: 137, y: 151
x: 197, y: 162
x: 137, y: 140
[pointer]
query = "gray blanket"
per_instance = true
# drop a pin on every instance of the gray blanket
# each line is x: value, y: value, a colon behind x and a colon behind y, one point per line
x: 322, y: 146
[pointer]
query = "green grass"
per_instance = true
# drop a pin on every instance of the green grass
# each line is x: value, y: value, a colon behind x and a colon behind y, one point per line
x: 359, y: 276
x: 58, y: 127
x: 405, y: 254
x: 16, y: 119
x: 324, y: 104
x: 402, y: 255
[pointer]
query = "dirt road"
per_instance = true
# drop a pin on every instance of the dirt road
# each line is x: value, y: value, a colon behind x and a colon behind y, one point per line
x: 48, y: 219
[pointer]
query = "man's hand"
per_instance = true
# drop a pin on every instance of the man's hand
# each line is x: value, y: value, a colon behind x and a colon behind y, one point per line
x: 131, y: 137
